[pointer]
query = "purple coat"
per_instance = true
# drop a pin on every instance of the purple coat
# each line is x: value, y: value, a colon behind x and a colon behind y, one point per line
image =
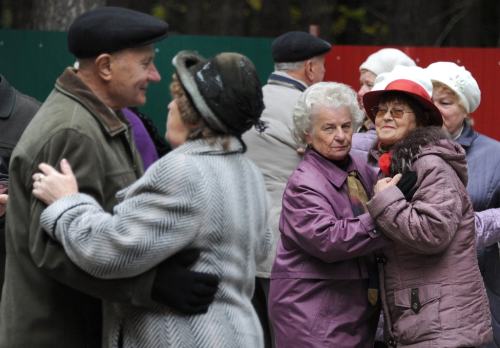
x: 318, y: 295
x: 142, y: 139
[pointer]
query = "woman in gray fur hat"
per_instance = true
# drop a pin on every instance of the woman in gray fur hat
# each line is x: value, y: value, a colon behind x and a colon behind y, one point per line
x: 204, y: 194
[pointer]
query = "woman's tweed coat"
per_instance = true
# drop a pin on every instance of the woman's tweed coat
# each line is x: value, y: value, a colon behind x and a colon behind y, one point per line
x: 198, y: 196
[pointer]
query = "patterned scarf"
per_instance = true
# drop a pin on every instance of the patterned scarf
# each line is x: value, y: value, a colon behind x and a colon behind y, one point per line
x: 358, y: 197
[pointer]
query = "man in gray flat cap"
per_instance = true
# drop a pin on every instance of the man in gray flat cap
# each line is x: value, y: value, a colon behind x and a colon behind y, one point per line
x: 47, y: 300
x: 299, y: 63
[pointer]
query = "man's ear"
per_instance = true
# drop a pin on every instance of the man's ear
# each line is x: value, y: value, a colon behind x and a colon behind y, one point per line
x: 310, y: 70
x: 103, y: 65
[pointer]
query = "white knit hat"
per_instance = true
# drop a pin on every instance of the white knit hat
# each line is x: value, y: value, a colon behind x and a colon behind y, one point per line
x: 385, y: 60
x: 401, y: 72
x: 458, y: 80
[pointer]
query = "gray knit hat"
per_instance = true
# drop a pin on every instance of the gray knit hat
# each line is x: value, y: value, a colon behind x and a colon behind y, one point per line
x: 225, y: 89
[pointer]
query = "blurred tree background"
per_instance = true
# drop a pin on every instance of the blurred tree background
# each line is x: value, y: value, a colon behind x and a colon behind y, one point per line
x: 440, y: 23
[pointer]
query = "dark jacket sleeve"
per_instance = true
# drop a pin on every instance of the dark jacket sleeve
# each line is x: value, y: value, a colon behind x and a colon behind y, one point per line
x: 49, y: 255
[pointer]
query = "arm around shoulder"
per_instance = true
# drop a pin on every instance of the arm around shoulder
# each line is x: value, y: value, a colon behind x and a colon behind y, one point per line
x: 49, y: 255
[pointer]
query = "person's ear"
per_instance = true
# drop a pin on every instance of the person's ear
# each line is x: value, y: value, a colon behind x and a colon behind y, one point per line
x: 103, y: 65
x: 308, y: 140
x: 310, y: 70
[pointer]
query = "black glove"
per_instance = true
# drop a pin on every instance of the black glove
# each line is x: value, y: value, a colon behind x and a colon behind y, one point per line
x: 178, y: 287
x: 407, y: 185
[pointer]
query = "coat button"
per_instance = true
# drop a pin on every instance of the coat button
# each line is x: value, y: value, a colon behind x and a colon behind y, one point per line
x: 414, y: 306
x: 375, y: 231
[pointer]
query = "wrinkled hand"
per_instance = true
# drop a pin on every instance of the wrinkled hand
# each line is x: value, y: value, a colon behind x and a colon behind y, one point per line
x: 178, y: 287
x: 50, y: 185
x: 407, y: 185
x: 3, y: 204
x: 384, y: 183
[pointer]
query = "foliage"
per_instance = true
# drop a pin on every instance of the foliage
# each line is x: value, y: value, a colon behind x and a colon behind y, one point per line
x: 364, y: 22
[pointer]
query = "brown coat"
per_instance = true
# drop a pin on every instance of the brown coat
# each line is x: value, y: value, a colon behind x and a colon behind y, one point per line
x: 47, y: 300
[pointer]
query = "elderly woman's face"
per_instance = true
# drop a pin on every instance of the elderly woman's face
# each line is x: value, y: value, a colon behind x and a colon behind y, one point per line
x: 391, y: 129
x: 177, y: 131
x: 331, y: 133
x: 453, y: 113
x: 366, y: 82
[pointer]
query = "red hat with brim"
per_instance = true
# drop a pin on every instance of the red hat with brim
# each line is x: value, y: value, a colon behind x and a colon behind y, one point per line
x: 411, y: 88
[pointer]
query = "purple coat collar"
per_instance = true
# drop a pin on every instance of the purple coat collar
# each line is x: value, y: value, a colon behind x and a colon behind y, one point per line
x: 335, y: 175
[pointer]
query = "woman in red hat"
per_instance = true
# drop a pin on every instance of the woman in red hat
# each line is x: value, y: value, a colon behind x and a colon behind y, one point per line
x: 431, y: 288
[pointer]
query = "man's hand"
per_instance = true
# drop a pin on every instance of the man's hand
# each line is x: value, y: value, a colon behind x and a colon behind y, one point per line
x: 3, y: 204
x: 178, y: 287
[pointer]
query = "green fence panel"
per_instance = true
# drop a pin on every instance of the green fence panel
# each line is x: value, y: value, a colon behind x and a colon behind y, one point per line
x: 32, y: 61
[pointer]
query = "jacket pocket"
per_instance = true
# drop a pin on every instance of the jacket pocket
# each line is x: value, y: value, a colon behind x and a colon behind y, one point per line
x: 416, y: 316
x: 324, y: 315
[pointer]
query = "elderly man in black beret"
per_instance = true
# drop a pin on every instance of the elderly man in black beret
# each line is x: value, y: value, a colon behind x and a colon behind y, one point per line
x: 299, y: 63
x: 47, y: 300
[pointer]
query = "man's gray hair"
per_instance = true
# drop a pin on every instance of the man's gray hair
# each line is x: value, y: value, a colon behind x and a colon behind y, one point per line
x: 292, y: 66
x: 331, y: 95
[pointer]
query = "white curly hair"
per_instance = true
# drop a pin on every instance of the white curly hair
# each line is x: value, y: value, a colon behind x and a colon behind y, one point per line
x: 332, y: 95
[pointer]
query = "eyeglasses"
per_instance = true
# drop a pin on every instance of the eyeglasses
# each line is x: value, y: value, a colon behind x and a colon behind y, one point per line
x: 380, y: 111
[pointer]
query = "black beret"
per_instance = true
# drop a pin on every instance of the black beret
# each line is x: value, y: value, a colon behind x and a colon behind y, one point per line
x: 297, y: 46
x: 112, y: 29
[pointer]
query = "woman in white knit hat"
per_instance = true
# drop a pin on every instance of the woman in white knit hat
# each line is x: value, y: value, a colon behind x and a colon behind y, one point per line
x: 457, y: 95
x: 382, y: 61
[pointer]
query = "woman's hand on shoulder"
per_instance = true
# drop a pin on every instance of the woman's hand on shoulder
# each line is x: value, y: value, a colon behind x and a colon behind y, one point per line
x: 384, y: 183
x: 50, y: 185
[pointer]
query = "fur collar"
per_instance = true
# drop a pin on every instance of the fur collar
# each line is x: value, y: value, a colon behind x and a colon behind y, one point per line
x: 410, y: 147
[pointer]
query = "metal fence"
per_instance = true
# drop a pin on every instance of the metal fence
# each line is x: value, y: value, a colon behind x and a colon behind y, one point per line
x: 32, y: 60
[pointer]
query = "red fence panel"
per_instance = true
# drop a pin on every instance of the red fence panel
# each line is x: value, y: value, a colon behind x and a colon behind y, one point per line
x: 342, y: 65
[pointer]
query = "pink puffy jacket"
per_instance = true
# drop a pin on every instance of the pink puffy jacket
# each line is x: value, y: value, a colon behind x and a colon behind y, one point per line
x: 431, y: 288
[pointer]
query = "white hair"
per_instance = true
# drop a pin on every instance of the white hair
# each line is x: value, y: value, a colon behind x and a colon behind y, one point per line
x: 332, y: 95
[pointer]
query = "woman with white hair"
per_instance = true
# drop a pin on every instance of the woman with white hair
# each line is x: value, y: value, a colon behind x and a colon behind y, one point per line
x: 456, y: 94
x: 324, y: 285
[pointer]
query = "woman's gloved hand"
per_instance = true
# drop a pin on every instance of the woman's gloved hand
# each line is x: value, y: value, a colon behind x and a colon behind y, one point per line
x: 407, y: 185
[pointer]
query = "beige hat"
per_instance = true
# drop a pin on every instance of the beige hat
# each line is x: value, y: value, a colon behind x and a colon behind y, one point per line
x: 385, y: 60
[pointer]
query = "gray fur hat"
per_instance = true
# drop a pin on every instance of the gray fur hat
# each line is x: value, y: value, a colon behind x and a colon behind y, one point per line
x: 225, y: 89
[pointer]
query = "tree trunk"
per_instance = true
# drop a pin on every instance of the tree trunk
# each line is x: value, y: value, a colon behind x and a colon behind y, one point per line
x: 413, y: 22
x: 144, y: 6
x: 21, y: 14
x: 194, y: 19
x: 275, y: 18
x: 57, y: 15
x: 318, y: 12
x: 227, y: 18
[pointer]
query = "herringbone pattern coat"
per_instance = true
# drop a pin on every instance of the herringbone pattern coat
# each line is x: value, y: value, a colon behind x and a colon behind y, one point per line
x: 198, y: 196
